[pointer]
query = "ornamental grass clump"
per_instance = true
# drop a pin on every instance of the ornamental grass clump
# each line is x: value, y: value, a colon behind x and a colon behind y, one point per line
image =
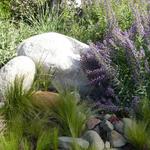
x: 30, y: 125
x: 71, y: 115
x: 17, y: 100
x: 139, y: 133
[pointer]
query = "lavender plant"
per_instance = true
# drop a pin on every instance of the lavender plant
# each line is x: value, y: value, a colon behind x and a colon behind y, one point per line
x: 130, y: 52
x: 96, y: 64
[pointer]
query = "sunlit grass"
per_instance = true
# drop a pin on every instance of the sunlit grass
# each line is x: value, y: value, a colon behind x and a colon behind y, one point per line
x: 71, y: 115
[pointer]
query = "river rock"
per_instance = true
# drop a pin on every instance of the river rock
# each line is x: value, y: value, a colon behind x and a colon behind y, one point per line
x: 116, y: 139
x: 94, y: 139
x: 107, y: 125
x: 18, y: 67
x: 92, y: 123
x: 119, y: 126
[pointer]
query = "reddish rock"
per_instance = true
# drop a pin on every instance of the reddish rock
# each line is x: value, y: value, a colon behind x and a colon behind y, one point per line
x: 44, y: 99
x: 113, y: 119
x: 92, y: 123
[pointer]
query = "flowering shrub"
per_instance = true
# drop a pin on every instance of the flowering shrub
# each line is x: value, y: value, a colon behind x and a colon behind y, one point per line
x: 129, y: 52
x: 96, y: 64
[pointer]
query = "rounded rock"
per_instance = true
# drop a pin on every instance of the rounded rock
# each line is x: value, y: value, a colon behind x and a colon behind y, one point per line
x: 116, y: 139
x: 60, y: 53
x: 94, y: 139
x: 119, y: 126
x: 44, y: 99
x: 20, y: 67
x: 107, y: 125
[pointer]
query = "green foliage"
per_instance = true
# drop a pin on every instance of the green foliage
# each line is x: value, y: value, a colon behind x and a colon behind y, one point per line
x: 43, y: 78
x: 9, y: 143
x: 48, y: 140
x: 32, y: 127
x: 88, y: 24
x: 22, y: 9
x: 24, y: 121
x: 139, y: 133
x: 66, y: 21
x: 70, y: 115
x: 4, y: 9
x: 10, y: 36
x: 123, y: 13
x: 17, y: 99
x: 125, y: 86
x: 143, y: 111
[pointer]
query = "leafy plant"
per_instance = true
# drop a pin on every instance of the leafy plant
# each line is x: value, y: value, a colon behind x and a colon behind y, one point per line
x: 20, y: 9
x: 43, y: 78
x: 71, y: 115
x: 96, y: 63
x: 17, y: 100
x: 4, y: 9
x: 48, y: 140
x: 127, y: 53
x: 138, y: 135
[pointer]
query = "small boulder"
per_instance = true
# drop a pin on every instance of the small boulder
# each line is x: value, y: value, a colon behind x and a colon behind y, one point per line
x: 119, y: 126
x: 106, y: 125
x: 67, y: 143
x: 44, y: 99
x: 116, y: 139
x: 22, y: 67
x: 128, y: 123
x: 94, y: 139
x: 92, y: 123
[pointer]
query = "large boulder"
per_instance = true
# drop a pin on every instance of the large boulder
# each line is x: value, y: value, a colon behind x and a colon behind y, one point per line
x: 21, y: 67
x: 60, y: 52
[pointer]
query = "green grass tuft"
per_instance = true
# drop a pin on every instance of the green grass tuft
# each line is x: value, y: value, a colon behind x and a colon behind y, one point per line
x: 71, y: 115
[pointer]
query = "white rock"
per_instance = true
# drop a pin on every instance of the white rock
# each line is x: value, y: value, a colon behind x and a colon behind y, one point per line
x: 107, y: 145
x: 94, y: 139
x: 116, y: 139
x: 78, y: 3
x: 54, y: 50
x: 22, y: 67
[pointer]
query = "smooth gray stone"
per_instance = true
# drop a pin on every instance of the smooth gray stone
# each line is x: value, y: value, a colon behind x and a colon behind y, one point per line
x: 94, y: 140
x: 68, y: 142
x: 116, y: 139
